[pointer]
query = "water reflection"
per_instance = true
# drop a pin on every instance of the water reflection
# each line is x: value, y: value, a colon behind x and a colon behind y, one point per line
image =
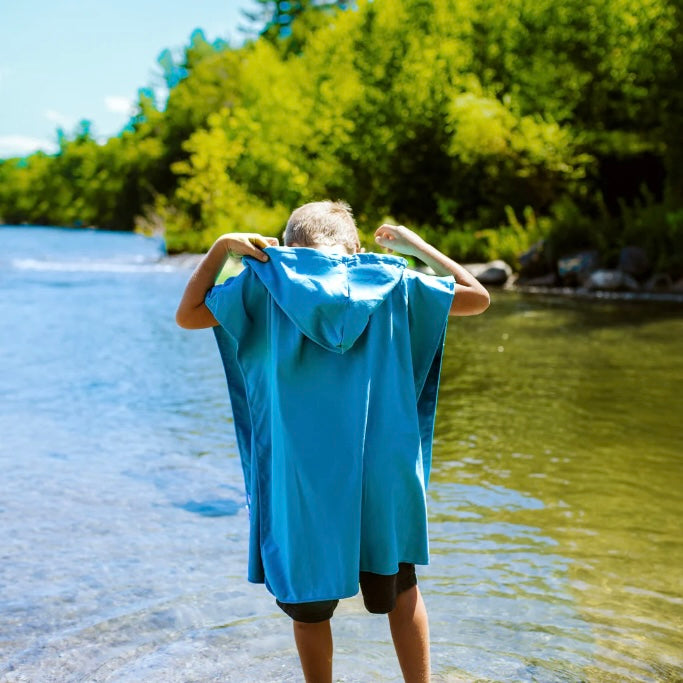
x: 571, y: 413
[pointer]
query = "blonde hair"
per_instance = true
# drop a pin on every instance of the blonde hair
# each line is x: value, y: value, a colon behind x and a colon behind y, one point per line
x: 320, y: 224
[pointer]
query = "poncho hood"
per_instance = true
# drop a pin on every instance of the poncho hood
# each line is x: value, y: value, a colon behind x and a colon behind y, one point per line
x: 329, y: 297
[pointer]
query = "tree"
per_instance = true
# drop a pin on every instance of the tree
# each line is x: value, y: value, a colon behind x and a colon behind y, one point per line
x: 289, y: 21
x: 458, y: 116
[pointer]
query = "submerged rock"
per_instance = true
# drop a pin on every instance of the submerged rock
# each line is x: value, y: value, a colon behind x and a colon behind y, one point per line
x: 611, y: 281
x: 576, y: 269
x: 547, y: 280
x: 493, y: 273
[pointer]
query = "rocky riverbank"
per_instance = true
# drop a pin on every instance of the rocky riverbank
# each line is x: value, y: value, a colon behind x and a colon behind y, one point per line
x: 581, y: 274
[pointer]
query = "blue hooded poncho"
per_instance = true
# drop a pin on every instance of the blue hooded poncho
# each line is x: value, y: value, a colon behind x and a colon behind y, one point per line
x: 333, y: 365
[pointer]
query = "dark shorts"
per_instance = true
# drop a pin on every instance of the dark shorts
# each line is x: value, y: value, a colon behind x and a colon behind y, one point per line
x: 379, y: 596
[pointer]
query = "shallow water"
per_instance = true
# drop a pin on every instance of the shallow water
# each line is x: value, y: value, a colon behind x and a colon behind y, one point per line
x: 555, y: 496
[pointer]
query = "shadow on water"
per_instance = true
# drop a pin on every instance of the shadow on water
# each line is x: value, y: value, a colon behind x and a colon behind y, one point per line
x: 212, y: 508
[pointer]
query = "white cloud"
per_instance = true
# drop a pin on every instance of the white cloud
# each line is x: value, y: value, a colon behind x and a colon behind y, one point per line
x: 58, y: 119
x: 21, y: 145
x: 119, y: 105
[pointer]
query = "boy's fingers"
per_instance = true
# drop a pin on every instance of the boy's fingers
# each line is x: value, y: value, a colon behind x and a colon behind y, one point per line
x: 273, y: 241
x: 259, y: 241
x: 251, y: 244
x: 384, y: 233
x: 384, y: 242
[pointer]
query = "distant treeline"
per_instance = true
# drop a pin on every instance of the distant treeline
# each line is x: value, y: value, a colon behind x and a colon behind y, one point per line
x: 487, y: 125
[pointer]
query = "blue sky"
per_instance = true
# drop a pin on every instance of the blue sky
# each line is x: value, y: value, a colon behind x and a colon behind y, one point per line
x: 66, y: 60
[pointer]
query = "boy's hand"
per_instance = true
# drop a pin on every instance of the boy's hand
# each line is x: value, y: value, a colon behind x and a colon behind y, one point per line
x: 470, y: 295
x: 248, y: 244
x: 192, y: 312
x: 399, y: 239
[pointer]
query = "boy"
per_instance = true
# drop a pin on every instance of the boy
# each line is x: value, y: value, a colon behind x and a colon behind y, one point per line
x: 332, y: 358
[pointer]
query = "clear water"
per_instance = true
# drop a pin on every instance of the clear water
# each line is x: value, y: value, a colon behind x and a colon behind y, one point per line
x: 555, y: 500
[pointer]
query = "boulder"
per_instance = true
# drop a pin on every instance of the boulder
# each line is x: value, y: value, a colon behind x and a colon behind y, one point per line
x: 634, y: 261
x: 533, y: 262
x: 576, y: 268
x: 658, y: 282
x: 611, y: 281
x: 493, y: 273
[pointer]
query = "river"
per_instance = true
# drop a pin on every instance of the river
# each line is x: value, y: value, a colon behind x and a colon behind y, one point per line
x: 555, y: 500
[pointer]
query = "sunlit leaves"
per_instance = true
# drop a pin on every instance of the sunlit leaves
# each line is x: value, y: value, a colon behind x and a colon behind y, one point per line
x: 453, y: 115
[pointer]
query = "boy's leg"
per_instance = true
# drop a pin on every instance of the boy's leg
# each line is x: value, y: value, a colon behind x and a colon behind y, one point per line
x: 314, y: 645
x: 313, y: 637
x: 410, y: 632
x: 398, y: 596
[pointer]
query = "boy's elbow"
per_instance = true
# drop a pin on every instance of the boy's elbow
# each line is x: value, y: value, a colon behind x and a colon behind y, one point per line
x: 471, y: 302
x: 186, y: 318
x: 198, y: 318
x: 484, y: 302
x: 181, y: 320
x: 478, y: 306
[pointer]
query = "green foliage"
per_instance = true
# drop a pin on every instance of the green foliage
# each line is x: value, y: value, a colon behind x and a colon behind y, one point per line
x: 574, y: 227
x: 658, y: 229
x: 484, y: 124
x: 509, y: 241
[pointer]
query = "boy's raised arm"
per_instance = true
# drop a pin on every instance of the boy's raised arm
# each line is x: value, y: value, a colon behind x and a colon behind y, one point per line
x: 192, y: 313
x: 470, y: 297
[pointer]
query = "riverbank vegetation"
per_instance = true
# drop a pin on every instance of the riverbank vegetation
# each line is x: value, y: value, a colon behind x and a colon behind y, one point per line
x: 488, y: 126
